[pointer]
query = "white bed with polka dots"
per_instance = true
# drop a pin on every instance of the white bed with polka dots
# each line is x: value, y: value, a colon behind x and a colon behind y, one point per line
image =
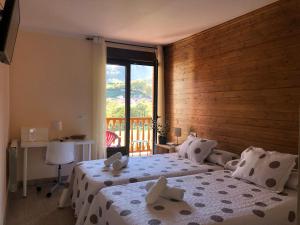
x: 89, y: 177
x: 210, y: 198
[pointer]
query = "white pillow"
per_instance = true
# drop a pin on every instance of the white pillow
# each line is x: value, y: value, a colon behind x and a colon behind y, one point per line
x: 270, y: 170
x: 221, y: 157
x: 182, y: 151
x: 199, y: 149
x: 292, y: 182
x: 296, y: 161
x: 232, y: 164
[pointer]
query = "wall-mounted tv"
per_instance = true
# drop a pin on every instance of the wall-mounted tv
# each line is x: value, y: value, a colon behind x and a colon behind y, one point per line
x: 9, y: 25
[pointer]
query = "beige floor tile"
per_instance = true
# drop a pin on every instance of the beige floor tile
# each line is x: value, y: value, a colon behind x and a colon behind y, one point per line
x: 36, y: 209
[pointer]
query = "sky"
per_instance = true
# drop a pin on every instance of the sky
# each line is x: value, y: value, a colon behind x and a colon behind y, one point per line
x: 138, y: 72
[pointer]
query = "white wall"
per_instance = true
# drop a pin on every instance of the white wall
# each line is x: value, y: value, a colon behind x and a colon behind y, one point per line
x: 4, y: 132
x: 50, y: 80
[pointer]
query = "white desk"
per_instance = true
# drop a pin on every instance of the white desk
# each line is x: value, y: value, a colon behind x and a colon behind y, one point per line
x: 30, y: 145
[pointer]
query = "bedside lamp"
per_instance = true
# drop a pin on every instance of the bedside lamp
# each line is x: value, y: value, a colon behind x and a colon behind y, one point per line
x: 177, y: 133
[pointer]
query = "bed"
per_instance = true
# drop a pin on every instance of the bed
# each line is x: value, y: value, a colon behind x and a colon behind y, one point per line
x: 210, y: 198
x: 91, y: 176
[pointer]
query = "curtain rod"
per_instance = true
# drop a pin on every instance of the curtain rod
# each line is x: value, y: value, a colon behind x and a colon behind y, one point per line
x: 114, y: 42
x: 90, y: 38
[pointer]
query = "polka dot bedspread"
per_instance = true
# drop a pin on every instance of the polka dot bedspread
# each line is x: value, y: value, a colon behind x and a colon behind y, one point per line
x: 210, y: 198
x: 89, y: 177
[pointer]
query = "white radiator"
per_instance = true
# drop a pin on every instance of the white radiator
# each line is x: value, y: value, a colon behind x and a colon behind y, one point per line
x: 13, y: 154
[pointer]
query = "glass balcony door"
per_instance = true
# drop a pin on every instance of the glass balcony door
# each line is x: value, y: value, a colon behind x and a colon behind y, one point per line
x: 141, y: 109
x: 129, y: 108
x: 117, y: 110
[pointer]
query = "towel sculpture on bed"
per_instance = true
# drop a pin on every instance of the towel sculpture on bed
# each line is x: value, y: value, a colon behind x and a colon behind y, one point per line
x: 161, y: 189
x: 120, y: 163
x: 113, y: 158
x: 156, y: 190
x: 169, y: 192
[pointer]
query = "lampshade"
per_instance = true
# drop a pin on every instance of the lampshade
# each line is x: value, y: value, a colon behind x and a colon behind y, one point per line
x: 57, y: 125
x: 177, y: 132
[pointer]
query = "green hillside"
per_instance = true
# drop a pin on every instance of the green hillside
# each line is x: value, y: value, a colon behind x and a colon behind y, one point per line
x: 141, y: 99
x: 139, y: 89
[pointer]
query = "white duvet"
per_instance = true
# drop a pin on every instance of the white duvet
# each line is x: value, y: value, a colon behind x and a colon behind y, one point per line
x: 89, y: 177
x: 210, y: 198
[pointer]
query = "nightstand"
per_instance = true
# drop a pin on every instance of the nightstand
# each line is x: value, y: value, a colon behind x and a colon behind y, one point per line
x: 162, y: 149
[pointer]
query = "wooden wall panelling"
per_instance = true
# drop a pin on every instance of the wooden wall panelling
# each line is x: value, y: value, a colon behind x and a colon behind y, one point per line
x: 239, y: 82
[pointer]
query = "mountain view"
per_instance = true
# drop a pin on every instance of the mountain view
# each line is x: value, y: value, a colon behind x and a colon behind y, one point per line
x: 140, y: 94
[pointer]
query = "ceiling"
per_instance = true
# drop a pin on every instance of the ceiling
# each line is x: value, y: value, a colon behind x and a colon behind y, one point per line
x: 137, y: 21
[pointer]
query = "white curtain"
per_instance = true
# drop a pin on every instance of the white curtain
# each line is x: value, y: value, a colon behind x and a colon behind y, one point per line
x: 161, y: 85
x: 99, y: 97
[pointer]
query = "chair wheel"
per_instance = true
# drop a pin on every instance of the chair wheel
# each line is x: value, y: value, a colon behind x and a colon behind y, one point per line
x: 48, y: 195
x: 38, y: 189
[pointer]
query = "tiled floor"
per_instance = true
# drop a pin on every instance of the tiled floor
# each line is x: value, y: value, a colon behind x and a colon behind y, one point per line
x: 36, y: 209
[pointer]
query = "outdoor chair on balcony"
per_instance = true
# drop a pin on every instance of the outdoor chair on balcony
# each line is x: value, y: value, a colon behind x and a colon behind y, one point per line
x: 110, y: 138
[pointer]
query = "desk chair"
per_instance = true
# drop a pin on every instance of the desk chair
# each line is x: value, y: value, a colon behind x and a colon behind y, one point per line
x: 59, y: 153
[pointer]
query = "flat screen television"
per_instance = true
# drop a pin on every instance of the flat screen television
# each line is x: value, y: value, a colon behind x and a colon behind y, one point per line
x: 9, y: 25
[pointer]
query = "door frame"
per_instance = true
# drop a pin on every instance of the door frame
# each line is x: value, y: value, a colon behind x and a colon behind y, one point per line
x: 122, y: 62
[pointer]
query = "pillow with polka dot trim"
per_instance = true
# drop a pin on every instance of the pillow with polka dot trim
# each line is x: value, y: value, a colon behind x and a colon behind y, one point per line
x: 221, y: 157
x: 232, y: 164
x: 268, y: 169
x: 182, y: 151
x: 199, y: 149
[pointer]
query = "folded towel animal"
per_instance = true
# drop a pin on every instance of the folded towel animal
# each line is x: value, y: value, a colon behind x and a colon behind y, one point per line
x: 113, y: 158
x: 169, y: 192
x: 120, y: 163
x: 156, y: 190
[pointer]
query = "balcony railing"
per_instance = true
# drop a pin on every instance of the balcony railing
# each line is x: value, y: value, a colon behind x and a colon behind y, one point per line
x: 140, y: 133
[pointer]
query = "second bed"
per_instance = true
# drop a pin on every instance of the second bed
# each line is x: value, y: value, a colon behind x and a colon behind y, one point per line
x: 210, y: 198
x: 91, y: 176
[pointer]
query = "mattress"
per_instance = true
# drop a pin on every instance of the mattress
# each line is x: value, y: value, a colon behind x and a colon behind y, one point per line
x: 210, y: 198
x: 89, y: 177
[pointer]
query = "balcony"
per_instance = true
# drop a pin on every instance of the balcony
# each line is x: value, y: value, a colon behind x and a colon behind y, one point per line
x: 140, y: 134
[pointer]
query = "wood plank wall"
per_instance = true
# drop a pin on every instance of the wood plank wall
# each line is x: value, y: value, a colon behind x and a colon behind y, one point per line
x: 239, y: 82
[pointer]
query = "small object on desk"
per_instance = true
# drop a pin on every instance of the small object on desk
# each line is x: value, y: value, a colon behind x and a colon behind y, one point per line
x: 58, y: 139
x: 78, y: 137
x: 34, y: 134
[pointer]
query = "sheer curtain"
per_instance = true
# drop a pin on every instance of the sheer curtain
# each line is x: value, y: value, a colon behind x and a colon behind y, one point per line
x: 161, y: 84
x: 99, y: 96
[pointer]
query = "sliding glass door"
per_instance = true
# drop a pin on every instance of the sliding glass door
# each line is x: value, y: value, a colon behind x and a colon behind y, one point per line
x: 130, y: 107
